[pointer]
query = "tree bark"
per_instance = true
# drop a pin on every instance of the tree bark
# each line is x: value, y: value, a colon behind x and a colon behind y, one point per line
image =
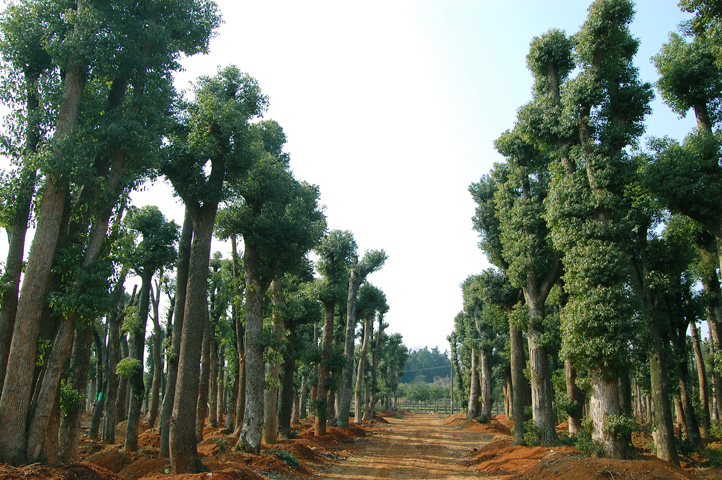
x: 285, y: 411
x: 137, y: 349
x: 473, y: 408
x: 358, y: 398
x: 99, y: 395
x: 49, y: 391
x: 16, y: 392
x: 541, y: 386
x: 18, y: 229
x: 520, y: 385
x: 702, y: 379
x: 576, y: 397
x: 346, y: 384
x: 202, y: 405
x: 183, y: 454
x: 256, y: 287
x: 182, y: 267
x: 70, y: 422
x: 273, y: 370
x: 157, y: 358
x: 485, y: 377
x: 604, y: 402
x: 319, y: 427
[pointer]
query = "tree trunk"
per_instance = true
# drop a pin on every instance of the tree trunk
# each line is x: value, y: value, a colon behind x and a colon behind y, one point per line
x: 520, y: 385
x: 256, y: 287
x: 604, y: 402
x: 321, y: 404
x: 48, y: 391
x: 541, y: 385
x: 473, y: 408
x: 183, y: 454
x: 121, y: 401
x: 346, y: 384
x: 576, y: 399
x: 485, y: 357
x: 358, y: 398
x: 99, y: 396
x: 220, y: 387
x: 303, y: 399
x: 137, y: 349
x: 213, y: 379
x: 157, y: 359
x: 285, y: 411
x: 109, y: 419
x: 70, y: 422
x: 273, y: 369
x: 202, y: 404
x: 240, y: 406
x: 17, y: 387
x: 18, y: 229
x: 182, y: 267
x: 702, y: 379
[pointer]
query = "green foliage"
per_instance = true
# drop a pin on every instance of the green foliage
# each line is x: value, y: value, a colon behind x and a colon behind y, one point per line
x: 286, y: 456
x: 128, y: 367
x: 426, y: 363
x: 620, y: 425
x: 715, y: 429
x: 71, y: 400
x: 713, y: 456
x: 532, y: 433
x: 583, y: 440
x: 222, y: 444
x: 42, y: 352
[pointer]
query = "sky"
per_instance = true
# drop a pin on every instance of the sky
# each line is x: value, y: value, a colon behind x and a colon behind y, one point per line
x: 392, y: 107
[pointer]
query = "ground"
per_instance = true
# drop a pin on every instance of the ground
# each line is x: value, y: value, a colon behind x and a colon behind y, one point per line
x: 396, y: 445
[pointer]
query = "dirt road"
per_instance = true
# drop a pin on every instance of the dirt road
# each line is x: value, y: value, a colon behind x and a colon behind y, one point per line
x: 417, y: 447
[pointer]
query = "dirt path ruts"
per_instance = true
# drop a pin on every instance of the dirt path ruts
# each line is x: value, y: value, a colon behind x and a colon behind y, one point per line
x: 416, y: 447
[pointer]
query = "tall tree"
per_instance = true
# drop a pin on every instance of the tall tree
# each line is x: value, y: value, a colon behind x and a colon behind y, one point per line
x: 335, y: 253
x: 143, y: 49
x: 280, y: 221
x: 587, y: 211
x: 212, y: 131
x: 154, y: 252
x: 371, y: 261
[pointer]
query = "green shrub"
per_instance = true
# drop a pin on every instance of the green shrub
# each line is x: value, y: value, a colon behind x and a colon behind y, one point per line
x: 128, y: 367
x: 222, y: 443
x: 716, y: 429
x: 532, y: 434
x: 71, y: 400
x: 286, y: 456
x: 714, y: 456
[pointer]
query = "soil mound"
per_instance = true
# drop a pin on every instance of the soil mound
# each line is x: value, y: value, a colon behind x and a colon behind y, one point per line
x: 561, y: 465
x: 77, y: 471
x: 230, y: 474
x: 494, y: 427
x: 502, y: 458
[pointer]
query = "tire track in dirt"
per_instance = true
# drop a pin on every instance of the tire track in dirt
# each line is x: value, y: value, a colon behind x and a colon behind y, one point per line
x: 415, y: 447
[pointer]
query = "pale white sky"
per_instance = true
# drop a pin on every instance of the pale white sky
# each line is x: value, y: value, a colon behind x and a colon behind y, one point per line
x: 392, y: 107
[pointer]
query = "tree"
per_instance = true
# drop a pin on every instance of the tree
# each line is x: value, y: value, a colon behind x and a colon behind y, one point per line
x: 587, y: 211
x: 143, y: 47
x: 154, y: 252
x: 371, y: 261
x: 214, y: 130
x: 371, y: 301
x: 280, y: 222
x: 335, y: 252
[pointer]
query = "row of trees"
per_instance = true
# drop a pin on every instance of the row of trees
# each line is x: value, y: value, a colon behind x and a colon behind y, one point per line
x: 96, y: 115
x: 605, y: 254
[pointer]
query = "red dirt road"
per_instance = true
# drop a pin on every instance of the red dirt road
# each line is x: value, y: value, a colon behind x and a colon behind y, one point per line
x: 417, y: 447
